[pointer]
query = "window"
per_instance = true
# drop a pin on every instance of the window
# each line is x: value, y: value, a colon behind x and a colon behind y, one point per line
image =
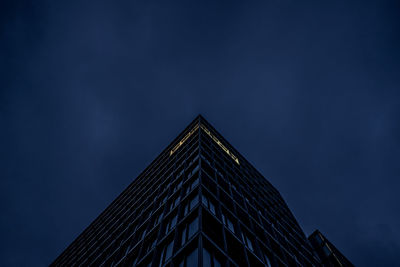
x: 248, y: 241
x: 142, y: 234
x: 191, y: 204
x: 132, y: 259
x: 318, y: 239
x: 190, y: 260
x: 171, y: 223
x: 189, y: 230
x: 233, y: 186
x: 209, y: 259
x: 166, y: 253
x: 168, y: 250
x: 206, y: 202
x: 209, y: 184
x: 326, y: 250
x: 150, y: 244
x: 192, y: 184
x: 266, y: 259
x: 193, y: 168
x: 174, y: 203
x: 179, y: 184
x: 157, y: 219
x: 180, y: 172
x: 228, y: 223
x: 176, y: 186
x: 164, y: 199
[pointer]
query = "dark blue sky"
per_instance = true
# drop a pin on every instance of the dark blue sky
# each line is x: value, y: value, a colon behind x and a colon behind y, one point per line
x: 308, y: 91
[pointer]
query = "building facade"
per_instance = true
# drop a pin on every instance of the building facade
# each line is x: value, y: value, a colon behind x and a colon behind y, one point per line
x: 328, y: 254
x: 199, y: 203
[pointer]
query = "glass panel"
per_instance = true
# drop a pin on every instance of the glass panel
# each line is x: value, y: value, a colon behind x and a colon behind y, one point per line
x: 193, y: 227
x: 204, y: 200
x: 143, y: 234
x: 267, y: 262
x: 186, y: 210
x: 318, y: 239
x: 195, y: 182
x: 192, y: 258
x: 159, y: 219
x: 206, y: 258
x: 194, y: 201
x: 249, y: 244
x: 173, y: 222
x: 216, y: 263
x: 184, y: 234
x: 326, y: 250
x: 168, y: 252
x: 230, y: 225
x: 175, y: 203
x: 212, y: 208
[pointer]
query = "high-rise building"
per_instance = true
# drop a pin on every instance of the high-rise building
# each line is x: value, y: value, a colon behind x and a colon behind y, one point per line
x: 199, y: 203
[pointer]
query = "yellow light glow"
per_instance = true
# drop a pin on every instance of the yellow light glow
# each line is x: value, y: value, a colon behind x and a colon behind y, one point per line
x: 186, y: 137
x: 209, y: 134
x: 219, y: 143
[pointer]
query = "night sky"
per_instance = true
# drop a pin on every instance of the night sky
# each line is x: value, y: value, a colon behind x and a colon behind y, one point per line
x: 307, y: 91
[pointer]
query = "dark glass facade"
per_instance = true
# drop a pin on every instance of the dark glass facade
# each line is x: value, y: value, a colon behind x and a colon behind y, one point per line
x: 199, y: 203
x: 329, y: 255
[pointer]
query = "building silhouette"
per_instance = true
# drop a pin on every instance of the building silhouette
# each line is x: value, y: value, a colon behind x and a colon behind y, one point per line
x: 329, y: 255
x: 199, y: 203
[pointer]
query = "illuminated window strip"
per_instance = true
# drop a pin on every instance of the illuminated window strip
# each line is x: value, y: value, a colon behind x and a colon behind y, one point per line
x: 219, y: 143
x: 186, y: 137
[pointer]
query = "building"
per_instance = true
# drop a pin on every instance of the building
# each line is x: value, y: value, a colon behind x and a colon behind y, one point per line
x: 199, y: 203
x: 329, y: 255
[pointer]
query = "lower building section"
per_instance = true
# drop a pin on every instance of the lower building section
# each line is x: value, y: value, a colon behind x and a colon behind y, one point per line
x: 199, y: 239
